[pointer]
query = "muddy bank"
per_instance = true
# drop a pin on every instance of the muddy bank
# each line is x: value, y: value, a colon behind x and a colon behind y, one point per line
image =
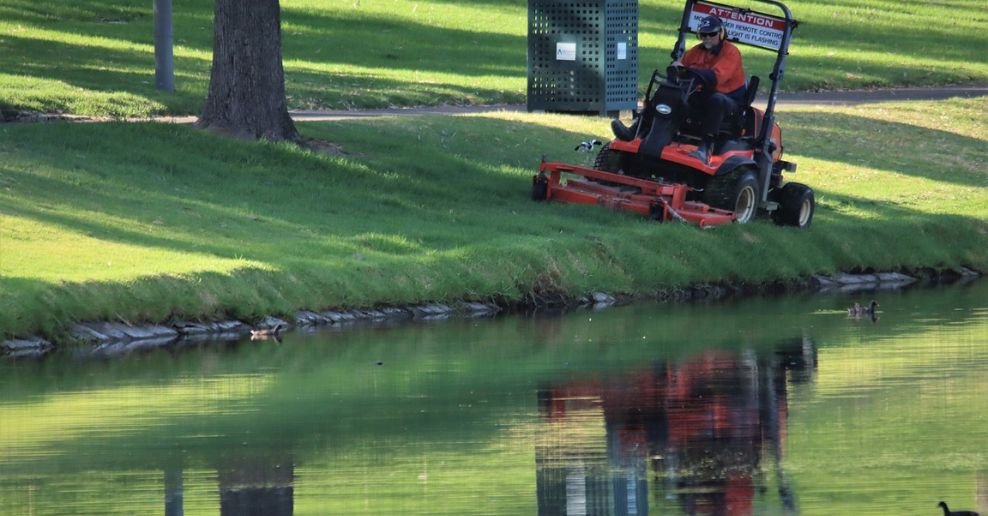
x: 106, y: 339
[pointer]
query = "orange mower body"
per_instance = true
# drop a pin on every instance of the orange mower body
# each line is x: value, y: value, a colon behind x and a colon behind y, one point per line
x: 648, y: 167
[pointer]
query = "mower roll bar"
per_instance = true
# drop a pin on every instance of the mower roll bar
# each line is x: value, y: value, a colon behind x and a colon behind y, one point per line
x: 764, y: 158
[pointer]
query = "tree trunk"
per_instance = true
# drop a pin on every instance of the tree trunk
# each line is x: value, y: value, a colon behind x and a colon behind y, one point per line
x: 247, y: 83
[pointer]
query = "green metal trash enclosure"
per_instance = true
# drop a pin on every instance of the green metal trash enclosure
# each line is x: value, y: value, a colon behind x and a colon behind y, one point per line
x: 582, y: 55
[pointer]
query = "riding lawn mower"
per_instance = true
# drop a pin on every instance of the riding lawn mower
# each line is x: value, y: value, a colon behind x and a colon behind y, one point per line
x: 648, y: 167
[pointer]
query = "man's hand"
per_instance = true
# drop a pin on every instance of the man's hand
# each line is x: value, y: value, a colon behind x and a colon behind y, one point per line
x: 677, y: 70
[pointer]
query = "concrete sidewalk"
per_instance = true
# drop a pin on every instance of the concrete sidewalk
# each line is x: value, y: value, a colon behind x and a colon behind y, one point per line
x: 844, y: 98
x: 851, y: 97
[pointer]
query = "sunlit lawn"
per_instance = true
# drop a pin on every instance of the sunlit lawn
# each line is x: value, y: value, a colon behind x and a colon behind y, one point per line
x: 97, y: 58
x: 110, y: 221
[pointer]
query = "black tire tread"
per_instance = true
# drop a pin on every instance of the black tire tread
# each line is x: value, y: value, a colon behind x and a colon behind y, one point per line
x: 607, y: 160
x: 721, y: 191
x: 540, y: 189
x: 790, y: 199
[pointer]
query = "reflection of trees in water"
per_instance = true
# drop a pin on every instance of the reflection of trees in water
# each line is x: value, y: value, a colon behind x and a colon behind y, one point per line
x: 701, y: 426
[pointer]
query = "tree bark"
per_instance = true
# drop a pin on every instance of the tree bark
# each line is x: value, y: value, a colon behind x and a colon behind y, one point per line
x: 247, y: 82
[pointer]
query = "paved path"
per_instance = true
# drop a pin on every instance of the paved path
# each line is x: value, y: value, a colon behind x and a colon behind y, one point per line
x: 850, y: 97
x: 885, y: 95
x: 803, y: 98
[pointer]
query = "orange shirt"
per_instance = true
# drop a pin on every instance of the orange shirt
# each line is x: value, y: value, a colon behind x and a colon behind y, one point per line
x: 725, y: 63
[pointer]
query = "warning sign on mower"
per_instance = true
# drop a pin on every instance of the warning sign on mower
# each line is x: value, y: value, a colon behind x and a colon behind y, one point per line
x: 749, y: 27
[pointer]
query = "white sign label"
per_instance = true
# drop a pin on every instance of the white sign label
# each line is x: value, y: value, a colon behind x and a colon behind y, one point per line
x: 565, y: 51
x: 760, y: 30
x: 622, y: 51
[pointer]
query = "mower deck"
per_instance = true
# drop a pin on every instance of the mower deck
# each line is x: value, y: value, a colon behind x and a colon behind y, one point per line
x: 657, y: 201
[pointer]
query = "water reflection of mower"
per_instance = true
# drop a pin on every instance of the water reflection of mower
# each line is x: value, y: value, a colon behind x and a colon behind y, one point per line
x: 648, y: 169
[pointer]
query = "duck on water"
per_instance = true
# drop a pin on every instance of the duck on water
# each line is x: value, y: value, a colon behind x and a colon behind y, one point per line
x: 267, y: 333
x: 856, y: 310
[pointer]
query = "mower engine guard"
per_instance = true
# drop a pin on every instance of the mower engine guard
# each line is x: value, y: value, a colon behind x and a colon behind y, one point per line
x: 657, y: 201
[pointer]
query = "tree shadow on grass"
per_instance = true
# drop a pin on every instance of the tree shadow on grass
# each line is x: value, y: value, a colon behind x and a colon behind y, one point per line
x: 884, y: 145
x: 116, y: 73
x: 332, y: 38
x: 397, y: 161
x: 414, y: 192
x: 61, y: 11
x: 328, y: 40
x: 259, y: 183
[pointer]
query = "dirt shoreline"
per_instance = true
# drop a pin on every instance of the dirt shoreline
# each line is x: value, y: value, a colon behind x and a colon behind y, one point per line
x: 107, y: 339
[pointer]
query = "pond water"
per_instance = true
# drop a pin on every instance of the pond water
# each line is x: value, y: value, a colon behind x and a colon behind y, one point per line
x: 753, y: 406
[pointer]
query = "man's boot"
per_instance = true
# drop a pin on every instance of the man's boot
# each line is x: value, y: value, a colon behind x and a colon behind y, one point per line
x: 624, y: 133
x: 702, y: 151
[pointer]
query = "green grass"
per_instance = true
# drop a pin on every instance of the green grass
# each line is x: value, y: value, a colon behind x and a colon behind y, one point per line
x: 150, y: 222
x: 97, y: 58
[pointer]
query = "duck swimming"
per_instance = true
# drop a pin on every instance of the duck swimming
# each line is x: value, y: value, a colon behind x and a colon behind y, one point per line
x: 267, y: 333
x: 856, y: 310
x: 948, y: 512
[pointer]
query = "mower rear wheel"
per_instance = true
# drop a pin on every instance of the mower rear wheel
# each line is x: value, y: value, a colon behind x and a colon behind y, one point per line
x: 736, y: 191
x: 796, y: 205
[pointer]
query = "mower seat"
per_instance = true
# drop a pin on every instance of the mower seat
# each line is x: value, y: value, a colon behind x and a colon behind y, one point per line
x: 749, y: 95
x: 745, y: 120
x: 738, y: 125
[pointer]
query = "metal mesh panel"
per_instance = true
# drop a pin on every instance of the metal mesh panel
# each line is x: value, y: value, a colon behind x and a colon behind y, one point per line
x: 583, y: 55
x: 622, y: 74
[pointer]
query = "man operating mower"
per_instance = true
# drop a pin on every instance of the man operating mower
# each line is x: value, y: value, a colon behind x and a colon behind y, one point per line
x: 717, y: 62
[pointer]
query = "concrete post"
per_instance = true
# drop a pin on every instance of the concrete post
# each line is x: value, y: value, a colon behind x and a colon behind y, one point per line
x: 164, y: 73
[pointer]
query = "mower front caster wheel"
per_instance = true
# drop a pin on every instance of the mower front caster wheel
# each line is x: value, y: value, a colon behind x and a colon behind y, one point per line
x: 796, y: 205
x: 540, y: 188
